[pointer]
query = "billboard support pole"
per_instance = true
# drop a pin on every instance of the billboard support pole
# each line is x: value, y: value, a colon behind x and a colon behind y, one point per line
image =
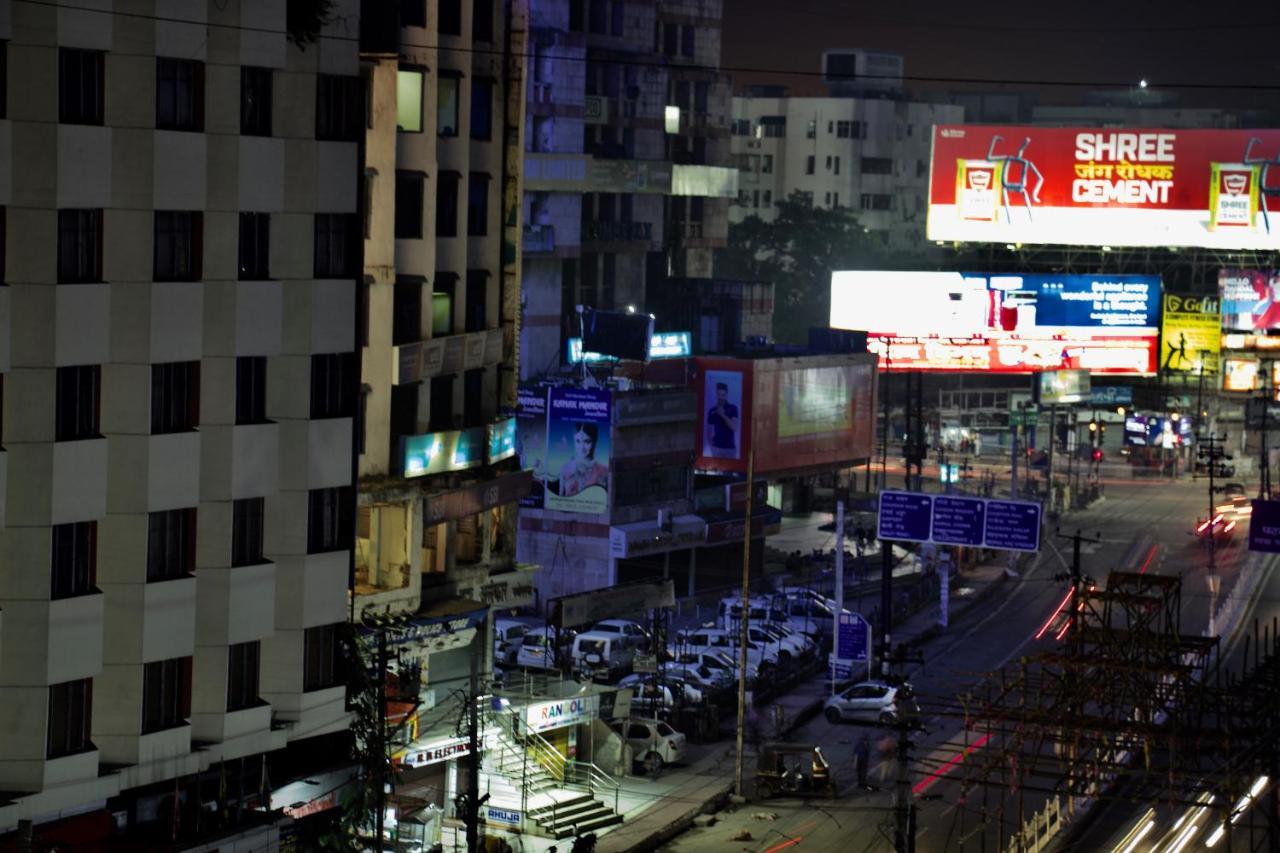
x: 1053, y: 438
x: 835, y: 634
x: 739, y: 788
x: 1013, y: 483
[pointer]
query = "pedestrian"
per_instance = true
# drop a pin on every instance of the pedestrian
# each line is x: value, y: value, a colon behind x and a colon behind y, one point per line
x: 861, y: 754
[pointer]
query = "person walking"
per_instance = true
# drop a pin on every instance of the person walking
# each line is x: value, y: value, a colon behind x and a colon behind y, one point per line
x: 861, y: 754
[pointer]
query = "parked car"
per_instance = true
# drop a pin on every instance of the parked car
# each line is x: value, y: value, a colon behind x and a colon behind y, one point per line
x: 537, y: 649
x: 659, y: 697
x: 627, y: 628
x: 722, y: 665
x: 762, y: 611
x: 602, y: 655
x: 871, y: 701
x: 508, y: 636
x: 654, y: 744
x: 718, y: 640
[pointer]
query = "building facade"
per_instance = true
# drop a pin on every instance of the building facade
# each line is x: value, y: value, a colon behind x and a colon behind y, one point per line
x: 179, y: 191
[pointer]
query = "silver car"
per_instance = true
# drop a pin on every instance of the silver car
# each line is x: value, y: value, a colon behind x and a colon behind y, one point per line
x: 871, y: 701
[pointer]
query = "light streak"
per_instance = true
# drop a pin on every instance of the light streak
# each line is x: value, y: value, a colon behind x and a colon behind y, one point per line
x: 924, y: 784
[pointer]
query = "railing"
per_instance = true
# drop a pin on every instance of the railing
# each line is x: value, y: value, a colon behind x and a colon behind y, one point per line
x: 595, y: 780
x: 1037, y: 832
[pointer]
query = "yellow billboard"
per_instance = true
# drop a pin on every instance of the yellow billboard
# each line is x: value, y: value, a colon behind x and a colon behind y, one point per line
x: 1191, y: 334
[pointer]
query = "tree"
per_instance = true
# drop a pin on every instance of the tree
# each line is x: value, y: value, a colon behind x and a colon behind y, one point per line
x: 797, y: 253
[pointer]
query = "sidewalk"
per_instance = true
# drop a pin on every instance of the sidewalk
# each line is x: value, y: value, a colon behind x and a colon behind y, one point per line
x: 680, y: 795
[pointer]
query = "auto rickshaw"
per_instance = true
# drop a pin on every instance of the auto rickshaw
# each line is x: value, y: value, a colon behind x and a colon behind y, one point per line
x: 794, y: 769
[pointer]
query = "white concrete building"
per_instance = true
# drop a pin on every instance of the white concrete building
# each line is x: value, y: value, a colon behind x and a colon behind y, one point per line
x: 176, y: 503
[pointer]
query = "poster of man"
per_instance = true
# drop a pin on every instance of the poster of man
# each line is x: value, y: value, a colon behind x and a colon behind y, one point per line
x: 578, y: 449
x: 723, y: 425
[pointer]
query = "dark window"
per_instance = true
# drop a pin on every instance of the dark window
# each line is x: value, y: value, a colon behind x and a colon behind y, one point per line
x: 875, y: 201
x: 339, y: 116
x: 413, y: 13
x: 409, y: 204
x: 481, y: 108
x: 616, y: 19
x: 577, y: 12
x: 336, y: 253
x: 179, y: 94
x: 330, y: 519
x: 661, y: 484
x: 321, y: 650
x: 175, y: 397
x: 482, y: 20
x: 447, y: 104
x: 687, y: 40
x: 70, y: 713
x: 477, y: 288
x: 177, y: 250
x: 242, y: 675
x: 599, y: 20
x: 406, y: 319
x: 79, y: 400
x: 473, y: 396
x: 4, y: 79
x: 4, y: 231
x: 1, y: 410
x: 877, y: 165
x: 255, y: 246
x: 255, y: 101
x: 441, y: 404
x: 477, y: 204
x: 74, y: 559
x: 447, y: 205
x: 333, y: 385
x: 166, y: 694
x: 451, y: 17
x: 171, y: 544
x: 80, y: 88
x: 404, y: 417
x: 670, y: 37
x: 246, y: 531
x: 79, y: 246
x: 251, y: 389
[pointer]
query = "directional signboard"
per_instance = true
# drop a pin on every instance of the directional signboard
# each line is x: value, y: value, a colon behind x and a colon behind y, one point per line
x: 853, y: 646
x: 1264, y: 527
x: 954, y: 520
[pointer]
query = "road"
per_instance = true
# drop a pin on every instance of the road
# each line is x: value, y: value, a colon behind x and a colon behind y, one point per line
x: 1014, y: 624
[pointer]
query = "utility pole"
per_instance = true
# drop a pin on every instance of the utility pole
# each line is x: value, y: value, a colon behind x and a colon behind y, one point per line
x: 1264, y: 467
x: 471, y: 814
x: 839, y: 590
x: 739, y: 785
x: 380, y: 791
x: 1212, y: 452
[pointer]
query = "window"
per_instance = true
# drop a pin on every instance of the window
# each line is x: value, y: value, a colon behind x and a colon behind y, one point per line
x: 338, y: 113
x: 877, y: 165
x: 242, y: 675
x: 875, y: 201
x: 617, y: 19
x: 70, y: 713
x: 74, y: 559
x: 177, y: 248
x: 409, y: 80
x: 451, y: 17
x: 255, y: 246
x: 442, y: 304
x: 741, y: 127
x: 482, y: 20
x: 477, y: 289
x: 79, y: 246
x: 321, y: 652
x: 246, y: 531
x: 598, y: 21
x: 809, y: 162
x: 811, y: 131
x: 836, y: 162
x: 4, y: 78
x: 828, y: 162
x: 447, y: 104
x: 406, y: 313
x: 806, y: 198
x: 251, y: 389
x: 851, y: 129
x: 333, y: 385
x: 336, y: 252
x: 659, y: 484
x: 477, y: 204
x: 330, y: 519
x: 766, y: 165
x: 835, y: 199
x: 768, y: 198
x: 166, y: 694
x: 670, y: 38
x: 78, y: 403
x: 175, y: 397
x: 687, y: 34
x: 171, y: 544
x: 441, y: 415
x: 774, y: 127
x: 826, y: 199
x: 481, y: 107
x: 473, y: 396
x: 80, y: 89
x: 409, y: 190
x: 447, y: 205
x: 179, y: 94
x: 413, y: 13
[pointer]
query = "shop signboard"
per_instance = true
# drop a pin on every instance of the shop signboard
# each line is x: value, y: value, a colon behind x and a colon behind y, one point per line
x: 997, y: 323
x: 570, y: 611
x: 1192, y: 334
x: 439, y: 452
x: 503, y: 816
x: 501, y: 440
x: 577, y: 454
x: 1101, y: 187
x: 531, y: 440
x: 1250, y: 299
x: 1240, y: 375
x: 558, y: 713
x: 1111, y: 395
x: 435, y: 752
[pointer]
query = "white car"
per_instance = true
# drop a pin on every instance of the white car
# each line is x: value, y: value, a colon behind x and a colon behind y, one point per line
x: 721, y: 665
x: 646, y: 688
x: 536, y: 650
x: 871, y: 701
x: 508, y: 636
x: 759, y: 658
x: 627, y: 628
x: 654, y: 744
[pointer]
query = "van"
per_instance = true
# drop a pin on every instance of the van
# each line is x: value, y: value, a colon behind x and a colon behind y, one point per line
x: 508, y: 635
x: 602, y: 655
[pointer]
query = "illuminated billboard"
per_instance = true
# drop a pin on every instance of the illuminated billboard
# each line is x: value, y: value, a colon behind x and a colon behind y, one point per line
x: 951, y: 321
x: 1240, y: 374
x: 1093, y: 187
x: 438, y: 452
x: 1250, y: 299
x: 578, y: 449
x: 1192, y: 334
x: 502, y: 440
x: 661, y: 345
x: 1063, y: 386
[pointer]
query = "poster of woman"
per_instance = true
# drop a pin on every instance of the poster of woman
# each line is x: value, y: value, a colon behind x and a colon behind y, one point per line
x: 578, y: 449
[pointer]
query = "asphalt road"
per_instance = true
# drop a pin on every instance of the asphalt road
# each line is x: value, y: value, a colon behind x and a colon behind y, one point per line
x: 1143, y: 524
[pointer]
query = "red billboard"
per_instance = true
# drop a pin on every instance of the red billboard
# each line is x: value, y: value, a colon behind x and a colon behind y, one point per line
x: 798, y: 413
x: 1105, y: 187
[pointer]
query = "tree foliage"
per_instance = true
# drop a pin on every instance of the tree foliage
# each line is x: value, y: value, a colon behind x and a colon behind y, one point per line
x: 305, y: 18
x: 797, y: 253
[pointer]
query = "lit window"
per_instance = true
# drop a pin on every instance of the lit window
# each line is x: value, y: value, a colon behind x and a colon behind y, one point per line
x: 409, y: 99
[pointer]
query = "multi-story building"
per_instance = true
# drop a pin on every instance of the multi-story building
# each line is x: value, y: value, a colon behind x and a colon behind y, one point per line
x: 179, y: 189
x: 868, y: 154
x: 627, y: 176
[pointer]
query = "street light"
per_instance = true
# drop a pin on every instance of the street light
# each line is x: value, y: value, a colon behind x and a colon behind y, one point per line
x: 1173, y: 416
x: 1120, y: 411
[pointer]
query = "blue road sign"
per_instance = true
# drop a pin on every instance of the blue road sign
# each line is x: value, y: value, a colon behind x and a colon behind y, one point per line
x: 904, y: 516
x: 958, y: 521
x: 1264, y: 527
x: 853, y: 638
x: 1013, y: 525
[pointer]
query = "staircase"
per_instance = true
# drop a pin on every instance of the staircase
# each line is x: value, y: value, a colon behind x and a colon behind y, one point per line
x: 561, y: 797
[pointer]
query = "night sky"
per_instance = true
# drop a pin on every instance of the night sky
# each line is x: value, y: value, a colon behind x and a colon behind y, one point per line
x: 1086, y: 40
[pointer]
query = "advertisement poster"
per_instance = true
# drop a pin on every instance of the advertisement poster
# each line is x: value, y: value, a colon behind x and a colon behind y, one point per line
x: 1096, y: 187
x: 722, y: 426
x: 502, y: 440
x: 1240, y: 374
x: 578, y: 449
x: 1064, y: 386
x: 814, y: 400
x: 531, y: 440
x: 437, y: 452
x: 1192, y: 339
x: 1002, y: 323
x: 1250, y: 299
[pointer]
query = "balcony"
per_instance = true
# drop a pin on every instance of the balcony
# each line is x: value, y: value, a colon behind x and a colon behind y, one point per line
x: 441, y: 356
x: 538, y: 240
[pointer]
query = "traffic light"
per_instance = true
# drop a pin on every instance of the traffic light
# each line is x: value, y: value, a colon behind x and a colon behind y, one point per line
x: 1097, y: 455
